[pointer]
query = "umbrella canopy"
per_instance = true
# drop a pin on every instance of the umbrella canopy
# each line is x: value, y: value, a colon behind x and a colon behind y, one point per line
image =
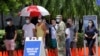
x: 33, y: 11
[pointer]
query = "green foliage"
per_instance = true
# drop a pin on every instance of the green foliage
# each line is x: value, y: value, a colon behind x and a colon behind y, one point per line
x: 67, y: 8
x: 19, y: 39
x: 80, y: 40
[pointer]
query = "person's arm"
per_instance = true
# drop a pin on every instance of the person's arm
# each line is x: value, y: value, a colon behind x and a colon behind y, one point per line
x: 23, y: 32
x: 15, y: 36
x: 44, y: 29
x: 5, y: 33
x: 66, y: 32
x: 36, y: 31
x: 85, y: 33
x: 96, y: 34
x: 76, y: 33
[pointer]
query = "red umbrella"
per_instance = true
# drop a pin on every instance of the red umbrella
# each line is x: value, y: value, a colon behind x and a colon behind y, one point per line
x: 34, y: 10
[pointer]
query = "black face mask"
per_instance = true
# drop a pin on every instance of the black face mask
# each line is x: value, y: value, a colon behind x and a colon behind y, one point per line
x: 57, y: 22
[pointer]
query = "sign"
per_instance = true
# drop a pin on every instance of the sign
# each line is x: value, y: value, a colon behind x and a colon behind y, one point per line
x: 98, y: 2
x: 87, y: 18
x: 32, y: 48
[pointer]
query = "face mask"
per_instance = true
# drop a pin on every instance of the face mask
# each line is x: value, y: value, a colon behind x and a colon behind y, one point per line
x: 27, y: 21
x: 90, y: 24
x: 58, y: 20
x: 8, y: 23
x: 39, y: 20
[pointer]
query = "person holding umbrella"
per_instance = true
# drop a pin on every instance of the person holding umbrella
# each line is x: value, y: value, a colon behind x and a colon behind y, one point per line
x: 41, y: 33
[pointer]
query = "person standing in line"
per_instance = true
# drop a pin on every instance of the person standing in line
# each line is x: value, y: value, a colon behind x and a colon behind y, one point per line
x: 68, y: 39
x: 90, y: 36
x: 41, y: 33
x: 60, y: 36
x: 54, y: 28
x: 10, y: 37
x: 48, y: 36
x: 28, y: 29
x: 74, y: 35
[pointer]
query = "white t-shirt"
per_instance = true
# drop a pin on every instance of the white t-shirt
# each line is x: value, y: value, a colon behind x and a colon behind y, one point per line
x: 53, y: 31
x: 67, y: 32
x: 28, y: 30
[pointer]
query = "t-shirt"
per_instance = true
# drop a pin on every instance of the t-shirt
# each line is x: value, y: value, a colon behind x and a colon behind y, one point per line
x: 73, y: 30
x: 53, y: 31
x: 91, y: 32
x: 10, y: 32
x: 67, y: 32
x: 28, y: 30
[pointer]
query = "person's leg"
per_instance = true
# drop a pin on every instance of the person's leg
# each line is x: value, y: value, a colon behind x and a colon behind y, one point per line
x: 54, y: 47
x: 74, y: 47
x: 91, y: 46
x: 68, y: 47
x: 12, y: 47
x: 7, y: 45
x: 88, y: 42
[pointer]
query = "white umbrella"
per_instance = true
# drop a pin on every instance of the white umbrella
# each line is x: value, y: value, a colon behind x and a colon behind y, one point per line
x: 34, y: 10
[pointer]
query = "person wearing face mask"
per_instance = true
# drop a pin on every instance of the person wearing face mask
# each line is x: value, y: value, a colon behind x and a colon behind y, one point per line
x: 90, y: 36
x: 28, y: 29
x: 41, y: 34
x: 60, y: 35
x: 74, y: 35
x: 10, y: 37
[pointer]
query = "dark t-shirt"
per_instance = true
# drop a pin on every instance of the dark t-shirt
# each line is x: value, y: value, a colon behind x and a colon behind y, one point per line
x: 73, y: 30
x: 91, y: 32
x: 10, y: 32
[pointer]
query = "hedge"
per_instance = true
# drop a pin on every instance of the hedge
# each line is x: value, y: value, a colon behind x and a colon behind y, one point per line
x: 19, y: 40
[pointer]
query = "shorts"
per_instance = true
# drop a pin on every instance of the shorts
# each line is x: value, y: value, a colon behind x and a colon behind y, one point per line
x: 10, y: 44
x: 54, y: 43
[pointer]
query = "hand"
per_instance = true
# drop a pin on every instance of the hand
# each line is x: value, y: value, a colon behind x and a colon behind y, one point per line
x: 93, y: 38
x: 14, y: 39
x: 86, y: 35
x: 76, y: 40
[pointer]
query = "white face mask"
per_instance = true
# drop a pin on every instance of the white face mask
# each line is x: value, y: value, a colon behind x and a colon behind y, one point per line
x: 58, y: 20
x: 8, y: 23
x: 90, y: 24
x: 27, y: 21
x: 39, y: 20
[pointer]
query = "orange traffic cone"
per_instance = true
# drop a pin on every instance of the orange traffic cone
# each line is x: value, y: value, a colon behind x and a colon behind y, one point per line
x: 79, y: 51
x: 49, y: 52
x: 4, y: 53
x: 20, y: 53
x: 87, y: 51
x: 73, y: 52
x: 0, y: 53
x: 82, y: 52
x: 98, y: 51
x: 15, y: 53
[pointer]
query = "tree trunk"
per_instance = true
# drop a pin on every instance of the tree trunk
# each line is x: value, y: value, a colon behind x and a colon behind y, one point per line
x: 20, y: 23
x: 2, y: 22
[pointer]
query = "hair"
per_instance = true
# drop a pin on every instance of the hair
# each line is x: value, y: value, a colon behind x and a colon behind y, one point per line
x: 70, y: 18
x: 93, y: 25
x: 9, y: 19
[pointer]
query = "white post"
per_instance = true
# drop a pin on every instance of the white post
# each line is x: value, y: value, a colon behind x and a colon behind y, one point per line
x: 85, y: 47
